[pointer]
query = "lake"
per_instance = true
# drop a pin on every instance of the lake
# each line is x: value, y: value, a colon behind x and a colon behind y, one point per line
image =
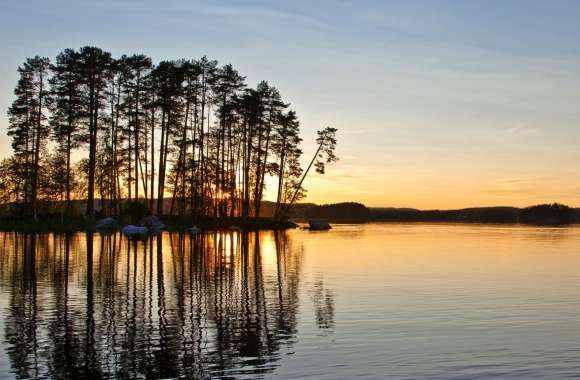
x: 384, y: 300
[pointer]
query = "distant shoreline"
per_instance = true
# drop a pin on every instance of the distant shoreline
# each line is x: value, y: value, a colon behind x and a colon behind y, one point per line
x: 339, y: 213
x: 547, y: 214
x: 58, y: 227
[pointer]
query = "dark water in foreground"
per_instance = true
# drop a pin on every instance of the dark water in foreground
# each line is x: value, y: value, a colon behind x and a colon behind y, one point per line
x: 374, y: 301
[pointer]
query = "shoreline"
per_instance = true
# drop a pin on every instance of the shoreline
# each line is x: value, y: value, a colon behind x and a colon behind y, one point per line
x: 173, y: 224
x: 182, y: 224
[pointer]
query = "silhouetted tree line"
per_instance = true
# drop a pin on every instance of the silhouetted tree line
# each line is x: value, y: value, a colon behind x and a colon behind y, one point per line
x: 337, y: 211
x: 548, y: 214
x: 475, y: 215
x: 540, y: 214
x: 124, y: 129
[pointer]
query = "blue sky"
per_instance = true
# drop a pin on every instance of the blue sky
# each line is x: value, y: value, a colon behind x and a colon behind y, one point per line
x: 438, y: 103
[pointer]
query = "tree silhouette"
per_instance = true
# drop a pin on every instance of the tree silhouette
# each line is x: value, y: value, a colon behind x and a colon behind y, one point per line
x: 94, y: 67
x: 188, y: 130
x: 324, y: 155
x: 28, y: 124
x: 66, y: 111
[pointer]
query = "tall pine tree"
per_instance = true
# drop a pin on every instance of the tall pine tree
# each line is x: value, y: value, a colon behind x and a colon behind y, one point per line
x: 28, y: 124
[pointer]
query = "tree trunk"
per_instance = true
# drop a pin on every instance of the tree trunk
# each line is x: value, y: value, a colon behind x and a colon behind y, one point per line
x: 37, y: 149
x: 287, y: 208
x: 92, y: 149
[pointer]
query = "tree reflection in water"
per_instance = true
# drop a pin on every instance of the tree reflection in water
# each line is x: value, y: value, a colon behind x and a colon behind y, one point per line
x: 323, y: 299
x: 220, y: 304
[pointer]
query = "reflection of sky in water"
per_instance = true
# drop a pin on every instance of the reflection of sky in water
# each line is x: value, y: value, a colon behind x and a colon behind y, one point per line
x: 375, y: 300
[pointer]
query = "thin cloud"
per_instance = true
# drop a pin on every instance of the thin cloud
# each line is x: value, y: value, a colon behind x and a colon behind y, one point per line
x: 523, y: 129
x: 260, y: 12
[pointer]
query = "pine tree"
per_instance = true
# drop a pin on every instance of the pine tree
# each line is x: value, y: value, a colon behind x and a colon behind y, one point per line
x: 137, y: 68
x: 268, y: 110
x: 324, y: 155
x: 168, y: 78
x: 286, y: 148
x: 227, y: 86
x: 94, y: 70
x: 66, y: 111
x: 28, y: 123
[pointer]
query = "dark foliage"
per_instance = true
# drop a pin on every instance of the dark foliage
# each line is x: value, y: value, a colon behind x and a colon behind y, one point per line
x: 190, y: 130
x: 136, y: 210
x: 472, y: 215
x: 345, y: 211
x: 547, y: 214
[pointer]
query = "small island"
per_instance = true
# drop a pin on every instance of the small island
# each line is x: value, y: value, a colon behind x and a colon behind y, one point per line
x: 186, y: 140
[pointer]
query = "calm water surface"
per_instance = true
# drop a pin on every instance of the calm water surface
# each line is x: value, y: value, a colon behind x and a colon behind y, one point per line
x: 374, y: 301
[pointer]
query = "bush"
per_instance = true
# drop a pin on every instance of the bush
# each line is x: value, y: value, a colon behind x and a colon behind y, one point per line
x: 136, y: 210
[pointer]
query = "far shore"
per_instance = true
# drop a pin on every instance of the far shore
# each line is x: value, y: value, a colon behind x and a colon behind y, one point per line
x: 341, y: 213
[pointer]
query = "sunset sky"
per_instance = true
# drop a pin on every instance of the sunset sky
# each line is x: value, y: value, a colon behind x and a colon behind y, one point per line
x: 439, y: 104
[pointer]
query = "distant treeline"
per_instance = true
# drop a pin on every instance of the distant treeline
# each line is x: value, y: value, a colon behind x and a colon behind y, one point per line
x: 549, y: 214
x: 552, y: 214
x: 353, y: 212
x: 188, y: 130
x: 480, y: 214
x: 348, y: 211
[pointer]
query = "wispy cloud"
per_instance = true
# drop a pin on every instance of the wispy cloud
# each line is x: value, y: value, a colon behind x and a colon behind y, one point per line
x: 523, y: 129
x: 524, y: 185
x: 262, y: 12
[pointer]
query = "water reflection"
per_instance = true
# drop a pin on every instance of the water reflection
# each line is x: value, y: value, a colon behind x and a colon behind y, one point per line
x: 323, y: 305
x: 84, y: 305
